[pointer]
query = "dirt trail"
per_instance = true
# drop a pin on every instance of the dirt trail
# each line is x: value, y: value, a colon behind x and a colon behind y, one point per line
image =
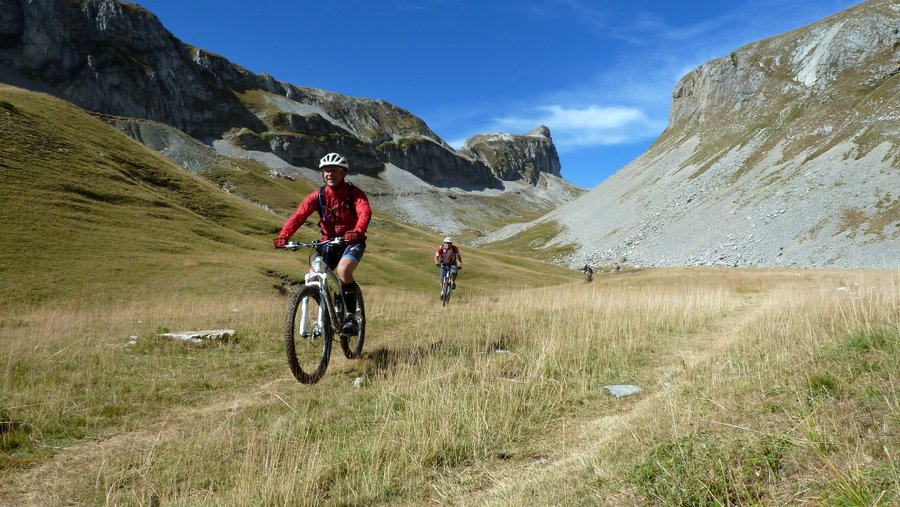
x: 42, y: 485
x: 585, y: 441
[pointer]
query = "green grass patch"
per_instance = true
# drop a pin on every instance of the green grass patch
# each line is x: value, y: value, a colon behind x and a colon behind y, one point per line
x: 535, y: 242
x: 702, y: 469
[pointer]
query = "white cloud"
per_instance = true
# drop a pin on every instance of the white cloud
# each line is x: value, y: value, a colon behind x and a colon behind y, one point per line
x: 579, y: 127
x: 626, y: 100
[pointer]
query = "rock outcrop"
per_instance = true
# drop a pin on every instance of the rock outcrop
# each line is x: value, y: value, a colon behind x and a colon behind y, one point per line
x: 423, y: 157
x: 513, y: 157
x: 116, y: 58
x: 786, y: 153
x: 821, y: 62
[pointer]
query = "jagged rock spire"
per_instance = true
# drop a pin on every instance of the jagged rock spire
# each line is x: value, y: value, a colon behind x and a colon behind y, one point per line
x: 540, y: 131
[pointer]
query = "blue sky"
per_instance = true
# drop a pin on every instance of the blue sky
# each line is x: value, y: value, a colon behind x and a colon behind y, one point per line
x: 599, y: 74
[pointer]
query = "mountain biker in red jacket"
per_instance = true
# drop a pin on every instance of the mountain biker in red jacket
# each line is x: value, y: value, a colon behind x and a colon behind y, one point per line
x: 447, y: 257
x: 345, y: 214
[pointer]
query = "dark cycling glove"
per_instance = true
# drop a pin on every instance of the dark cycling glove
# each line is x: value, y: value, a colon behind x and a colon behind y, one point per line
x: 354, y: 237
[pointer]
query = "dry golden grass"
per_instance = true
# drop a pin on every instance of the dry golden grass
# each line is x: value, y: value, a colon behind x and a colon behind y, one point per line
x: 783, y: 382
x: 760, y: 386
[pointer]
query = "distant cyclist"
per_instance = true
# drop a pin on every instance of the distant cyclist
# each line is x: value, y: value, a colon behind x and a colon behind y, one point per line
x: 588, y: 273
x: 345, y: 213
x: 448, y: 258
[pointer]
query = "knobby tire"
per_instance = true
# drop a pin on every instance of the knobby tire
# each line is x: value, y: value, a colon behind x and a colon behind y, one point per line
x: 307, y: 357
x: 445, y: 291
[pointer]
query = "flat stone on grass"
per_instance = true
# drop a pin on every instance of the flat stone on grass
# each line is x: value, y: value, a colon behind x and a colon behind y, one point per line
x: 209, y: 335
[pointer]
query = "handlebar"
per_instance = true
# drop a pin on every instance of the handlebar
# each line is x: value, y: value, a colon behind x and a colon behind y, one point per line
x: 297, y: 245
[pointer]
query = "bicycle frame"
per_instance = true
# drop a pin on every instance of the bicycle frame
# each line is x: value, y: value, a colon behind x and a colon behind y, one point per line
x: 329, y: 287
x: 446, y: 281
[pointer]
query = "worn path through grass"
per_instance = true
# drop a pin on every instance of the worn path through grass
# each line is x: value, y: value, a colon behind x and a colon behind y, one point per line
x: 43, y: 484
x: 736, y: 360
x: 573, y: 446
x: 47, y: 482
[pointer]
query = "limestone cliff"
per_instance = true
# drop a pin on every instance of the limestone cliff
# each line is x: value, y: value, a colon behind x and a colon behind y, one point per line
x: 785, y: 152
x: 514, y: 157
x: 117, y: 58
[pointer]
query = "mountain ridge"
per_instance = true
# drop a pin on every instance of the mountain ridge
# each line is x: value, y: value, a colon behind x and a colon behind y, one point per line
x: 783, y: 153
x: 117, y: 58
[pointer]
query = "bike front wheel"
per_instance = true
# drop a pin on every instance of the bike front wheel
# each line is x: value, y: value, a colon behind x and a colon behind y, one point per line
x: 353, y: 345
x: 445, y: 291
x: 307, y: 335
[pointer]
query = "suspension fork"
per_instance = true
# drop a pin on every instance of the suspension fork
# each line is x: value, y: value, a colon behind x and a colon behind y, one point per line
x: 325, y: 306
x: 303, y: 306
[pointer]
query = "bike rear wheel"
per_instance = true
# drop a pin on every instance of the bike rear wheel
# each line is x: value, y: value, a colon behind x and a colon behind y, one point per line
x: 307, y: 335
x: 353, y: 345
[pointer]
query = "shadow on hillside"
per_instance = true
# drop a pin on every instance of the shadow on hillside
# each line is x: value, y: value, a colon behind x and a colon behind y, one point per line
x: 383, y: 359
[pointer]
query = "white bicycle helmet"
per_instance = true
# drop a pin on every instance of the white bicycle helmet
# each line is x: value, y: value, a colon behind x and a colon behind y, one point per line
x: 333, y: 159
x: 448, y: 240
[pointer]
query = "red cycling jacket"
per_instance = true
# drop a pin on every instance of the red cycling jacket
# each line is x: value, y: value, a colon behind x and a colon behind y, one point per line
x: 447, y: 255
x: 339, y: 218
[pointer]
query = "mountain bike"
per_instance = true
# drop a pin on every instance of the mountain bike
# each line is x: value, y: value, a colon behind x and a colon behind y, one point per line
x: 588, y: 274
x: 313, y: 314
x: 446, y: 284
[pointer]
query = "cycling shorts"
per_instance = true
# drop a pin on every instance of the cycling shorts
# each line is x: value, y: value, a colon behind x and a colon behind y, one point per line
x: 334, y: 253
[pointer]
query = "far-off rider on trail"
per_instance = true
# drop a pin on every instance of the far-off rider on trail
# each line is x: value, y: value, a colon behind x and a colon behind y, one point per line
x: 345, y: 213
x: 447, y: 257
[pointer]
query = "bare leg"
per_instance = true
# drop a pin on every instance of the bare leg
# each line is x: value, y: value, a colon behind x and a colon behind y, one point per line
x: 344, y: 270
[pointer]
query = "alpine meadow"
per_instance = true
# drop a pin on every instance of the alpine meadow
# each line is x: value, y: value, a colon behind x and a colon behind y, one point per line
x: 759, y: 386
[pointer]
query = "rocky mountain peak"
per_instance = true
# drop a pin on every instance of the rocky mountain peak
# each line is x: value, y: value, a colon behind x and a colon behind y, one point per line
x: 516, y: 157
x: 804, y: 63
x: 540, y: 131
x: 116, y: 58
x: 784, y: 153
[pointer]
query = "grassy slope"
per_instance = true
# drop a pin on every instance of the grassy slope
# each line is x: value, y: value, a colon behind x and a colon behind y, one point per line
x: 89, y: 212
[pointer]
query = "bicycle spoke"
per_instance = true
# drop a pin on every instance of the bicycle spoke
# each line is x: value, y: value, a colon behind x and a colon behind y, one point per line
x: 308, y: 336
